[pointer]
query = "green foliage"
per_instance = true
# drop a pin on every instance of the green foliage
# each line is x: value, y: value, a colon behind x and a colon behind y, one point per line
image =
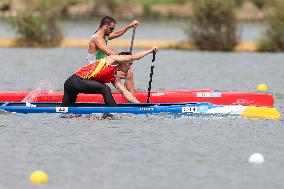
x: 148, y: 14
x: 38, y: 26
x: 151, y: 2
x: 258, y: 3
x: 77, y: 1
x: 36, y: 31
x: 109, y: 3
x: 29, y: 29
x: 239, y: 2
x: 52, y: 6
x: 274, y: 35
x: 213, y: 25
x: 266, y: 46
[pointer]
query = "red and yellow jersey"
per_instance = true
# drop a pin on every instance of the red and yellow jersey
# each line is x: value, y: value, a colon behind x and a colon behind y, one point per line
x: 98, y: 70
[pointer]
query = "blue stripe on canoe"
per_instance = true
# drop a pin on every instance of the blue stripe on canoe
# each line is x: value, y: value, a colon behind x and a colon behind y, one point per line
x: 178, y: 108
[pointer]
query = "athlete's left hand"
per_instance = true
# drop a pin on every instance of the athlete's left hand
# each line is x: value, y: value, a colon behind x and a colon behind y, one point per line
x: 134, y: 23
x: 154, y: 49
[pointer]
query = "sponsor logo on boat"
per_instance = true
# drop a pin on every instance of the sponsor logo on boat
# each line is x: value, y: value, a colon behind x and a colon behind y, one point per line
x: 146, y: 109
x: 61, y: 109
x: 158, y: 94
x: 189, y: 109
x: 28, y: 104
x: 208, y: 94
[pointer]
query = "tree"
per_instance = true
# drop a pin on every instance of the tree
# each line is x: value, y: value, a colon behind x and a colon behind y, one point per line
x: 213, y: 25
x: 38, y: 26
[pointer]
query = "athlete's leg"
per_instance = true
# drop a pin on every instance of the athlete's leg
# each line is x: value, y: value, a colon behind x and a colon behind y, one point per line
x: 108, y: 98
x: 95, y: 87
x: 70, y: 92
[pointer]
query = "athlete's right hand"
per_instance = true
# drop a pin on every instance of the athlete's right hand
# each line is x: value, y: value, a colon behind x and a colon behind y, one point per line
x: 134, y: 23
x: 154, y: 49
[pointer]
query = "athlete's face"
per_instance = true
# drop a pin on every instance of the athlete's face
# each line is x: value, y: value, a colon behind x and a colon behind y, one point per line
x: 110, y: 28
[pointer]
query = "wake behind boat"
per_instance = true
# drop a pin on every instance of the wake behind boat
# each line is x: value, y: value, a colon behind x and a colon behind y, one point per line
x: 198, y: 109
x: 179, y: 96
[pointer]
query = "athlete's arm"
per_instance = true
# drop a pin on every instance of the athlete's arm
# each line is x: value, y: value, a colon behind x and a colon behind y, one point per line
x: 92, y: 47
x: 141, y: 54
x: 101, y: 45
x: 121, y: 31
x: 128, y: 95
x: 126, y: 58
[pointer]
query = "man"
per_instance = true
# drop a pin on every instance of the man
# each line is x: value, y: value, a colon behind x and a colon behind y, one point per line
x: 92, y: 78
x: 98, y: 45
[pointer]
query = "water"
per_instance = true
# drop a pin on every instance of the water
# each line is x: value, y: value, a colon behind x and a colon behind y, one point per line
x: 157, y: 151
x: 173, y: 69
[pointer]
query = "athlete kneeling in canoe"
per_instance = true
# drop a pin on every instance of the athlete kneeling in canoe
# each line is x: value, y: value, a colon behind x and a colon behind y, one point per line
x: 92, y: 78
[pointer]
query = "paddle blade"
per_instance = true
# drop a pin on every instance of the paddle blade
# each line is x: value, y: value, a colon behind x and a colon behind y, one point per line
x: 261, y: 113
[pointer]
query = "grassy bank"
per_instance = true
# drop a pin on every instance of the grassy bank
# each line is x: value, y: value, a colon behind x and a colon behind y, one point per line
x: 259, y: 3
x: 247, y: 10
x: 150, y: 2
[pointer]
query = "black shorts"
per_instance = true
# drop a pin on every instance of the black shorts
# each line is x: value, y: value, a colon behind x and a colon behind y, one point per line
x: 75, y: 85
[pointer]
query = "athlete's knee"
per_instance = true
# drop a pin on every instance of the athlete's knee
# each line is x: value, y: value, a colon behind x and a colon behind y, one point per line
x: 69, y: 84
x: 106, y: 89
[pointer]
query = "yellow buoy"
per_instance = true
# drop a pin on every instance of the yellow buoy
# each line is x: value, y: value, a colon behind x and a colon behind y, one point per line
x: 262, y: 87
x: 38, y: 177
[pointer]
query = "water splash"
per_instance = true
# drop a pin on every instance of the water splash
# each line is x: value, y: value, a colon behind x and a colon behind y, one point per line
x: 43, y: 87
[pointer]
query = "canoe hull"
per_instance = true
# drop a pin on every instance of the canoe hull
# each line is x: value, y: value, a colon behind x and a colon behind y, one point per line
x: 203, y: 95
x: 187, y: 109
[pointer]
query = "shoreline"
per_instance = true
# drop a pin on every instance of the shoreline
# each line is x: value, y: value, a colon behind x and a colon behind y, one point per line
x: 245, y: 46
x: 246, y: 10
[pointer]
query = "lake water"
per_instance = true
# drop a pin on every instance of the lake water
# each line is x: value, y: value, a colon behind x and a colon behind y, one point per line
x: 143, y: 151
x: 158, y: 151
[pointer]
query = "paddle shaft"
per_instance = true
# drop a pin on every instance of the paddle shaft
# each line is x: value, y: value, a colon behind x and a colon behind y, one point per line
x: 132, y: 39
x: 151, y: 77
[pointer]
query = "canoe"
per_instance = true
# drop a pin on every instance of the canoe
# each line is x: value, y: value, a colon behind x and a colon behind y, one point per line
x: 198, y: 109
x: 202, y: 95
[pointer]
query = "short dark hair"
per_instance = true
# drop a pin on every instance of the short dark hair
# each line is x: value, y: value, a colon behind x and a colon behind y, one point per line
x: 125, y: 53
x: 107, y: 20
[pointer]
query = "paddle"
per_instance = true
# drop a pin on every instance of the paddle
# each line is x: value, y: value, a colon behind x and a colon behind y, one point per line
x: 151, y: 76
x: 132, y: 39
